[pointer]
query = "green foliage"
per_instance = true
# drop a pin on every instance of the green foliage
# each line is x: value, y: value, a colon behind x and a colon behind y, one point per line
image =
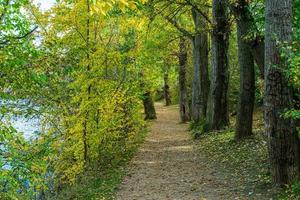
x: 85, y: 89
x: 257, y: 9
x: 292, y: 192
x: 234, y: 78
x: 101, y: 183
x: 292, y: 52
x: 23, y: 164
x: 84, y: 74
x: 197, y: 129
x: 94, y: 185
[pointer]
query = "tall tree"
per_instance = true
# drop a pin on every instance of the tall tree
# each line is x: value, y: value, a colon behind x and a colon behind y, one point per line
x: 167, y: 95
x: 183, y: 98
x: 247, y: 73
x: 255, y: 36
x: 199, y: 40
x: 281, y: 132
x: 201, y: 83
x: 217, y: 116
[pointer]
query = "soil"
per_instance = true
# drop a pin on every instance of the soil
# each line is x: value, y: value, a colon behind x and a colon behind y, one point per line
x: 168, y: 167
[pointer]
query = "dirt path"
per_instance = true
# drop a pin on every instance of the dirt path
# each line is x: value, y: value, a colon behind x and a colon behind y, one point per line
x: 167, y: 167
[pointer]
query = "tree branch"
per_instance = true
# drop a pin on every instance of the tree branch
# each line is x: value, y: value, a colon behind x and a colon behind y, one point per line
x: 3, y: 43
x: 179, y: 28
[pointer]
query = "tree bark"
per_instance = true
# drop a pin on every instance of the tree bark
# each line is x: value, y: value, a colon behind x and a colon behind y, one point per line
x: 282, y: 138
x: 201, y: 83
x: 183, y: 99
x: 247, y: 75
x: 218, y: 116
x: 241, y: 12
x: 258, y: 52
x: 149, y: 106
x: 167, y: 95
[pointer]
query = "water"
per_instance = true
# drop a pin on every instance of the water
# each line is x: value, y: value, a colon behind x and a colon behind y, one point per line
x: 26, y: 125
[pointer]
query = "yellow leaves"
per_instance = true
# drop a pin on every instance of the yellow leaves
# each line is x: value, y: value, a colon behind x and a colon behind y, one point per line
x: 123, y: 4
x: 144, y: 1
x: 101, y: 7
x: 131, y: 5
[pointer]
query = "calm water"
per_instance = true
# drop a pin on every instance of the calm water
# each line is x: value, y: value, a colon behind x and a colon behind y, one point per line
x: 27, y: 126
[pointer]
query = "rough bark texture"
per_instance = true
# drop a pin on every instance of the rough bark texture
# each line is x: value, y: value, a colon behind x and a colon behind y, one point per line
x: 200, y: 62
x: 283, y: 148
x: 167, y: 95
x: 247, y: 75
x: 217, y: 116
x: 149, y: 106
x: 257, y: 44
x: 183, y: 99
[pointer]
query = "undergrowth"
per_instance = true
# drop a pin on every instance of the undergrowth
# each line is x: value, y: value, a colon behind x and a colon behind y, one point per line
x: 246, y: 161
x: 100, y: 182
x: 197, y: 129
x: 292, y: 192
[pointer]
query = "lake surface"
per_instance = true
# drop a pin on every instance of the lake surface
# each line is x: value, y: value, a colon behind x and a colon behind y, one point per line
x: 27, y: 126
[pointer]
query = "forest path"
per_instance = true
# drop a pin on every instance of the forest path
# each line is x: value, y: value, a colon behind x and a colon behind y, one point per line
x: 168, y: 167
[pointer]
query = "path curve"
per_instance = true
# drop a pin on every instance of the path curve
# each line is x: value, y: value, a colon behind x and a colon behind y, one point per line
x: 167, y: 167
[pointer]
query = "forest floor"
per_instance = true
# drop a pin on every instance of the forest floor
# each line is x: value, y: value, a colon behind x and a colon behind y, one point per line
x: 171, y: 166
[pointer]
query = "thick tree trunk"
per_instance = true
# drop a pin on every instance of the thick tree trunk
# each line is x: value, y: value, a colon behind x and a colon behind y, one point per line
x: 257, y: 44
x: 149, y: 108
x: 183, y: 99
x: 196, y: 91
x: 200, y: 62
x: 167, y: 95
x: 217, y: 116
x: 247, y: 75
x: 283, y: 148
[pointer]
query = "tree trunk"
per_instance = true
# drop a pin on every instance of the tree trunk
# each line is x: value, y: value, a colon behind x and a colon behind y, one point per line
x: 217, y: 116
x: 247, y: 75
x: 257, y: 44
x: 258, y: 52
x: 85, y: 128
x: 282, y: 138
x: 183, y: 99
x: 167, y: 95
x: 149, y: 106
x: 196, y: 96
x: 200, y: 62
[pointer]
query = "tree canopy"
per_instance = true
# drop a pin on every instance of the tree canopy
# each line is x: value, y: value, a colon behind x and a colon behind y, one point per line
x: 90, y: 71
